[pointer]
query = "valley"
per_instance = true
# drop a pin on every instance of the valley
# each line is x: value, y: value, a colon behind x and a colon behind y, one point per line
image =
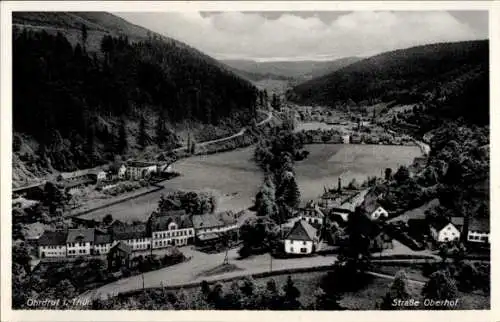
x: 148, y: 174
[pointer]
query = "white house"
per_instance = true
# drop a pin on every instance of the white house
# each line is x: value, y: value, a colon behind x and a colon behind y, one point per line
x: 98, y: 175
x: 136, y: 236
x: 444, y: 232
x: 376, y: 212
x: 170, y: 228
x: 136, y: 170
x: 302, y: 239
x: 80, y: 242
x: 479, y: 230
x: 52, y: 244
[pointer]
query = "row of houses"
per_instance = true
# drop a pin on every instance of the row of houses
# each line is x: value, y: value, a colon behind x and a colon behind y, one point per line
x: 131, y: 170
x: 305, y: 230
x: 163, y: 229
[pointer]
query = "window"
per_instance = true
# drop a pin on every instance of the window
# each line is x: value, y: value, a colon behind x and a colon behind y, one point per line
x: 303, y: 250
x: 303, y: 243
x: 291, y: 249
x: 484, y: 238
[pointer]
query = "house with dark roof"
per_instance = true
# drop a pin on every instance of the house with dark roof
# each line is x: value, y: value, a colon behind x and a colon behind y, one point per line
x: 102, y: 242
x: 119, y: 256
x: 211, y: 226
x: 444, y: 231
x: 302, y: 239
x: 136, y: 170
x: 52, y: 244
x: 80, y: 242
x: 375, y: 211
x: 136, y: 236
x: 479, y: 230
x: 312, y: 214
x: 170, y: 228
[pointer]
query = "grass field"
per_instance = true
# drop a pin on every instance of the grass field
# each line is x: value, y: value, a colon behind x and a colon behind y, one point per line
x: 236, y: 178
x: 327, y: 162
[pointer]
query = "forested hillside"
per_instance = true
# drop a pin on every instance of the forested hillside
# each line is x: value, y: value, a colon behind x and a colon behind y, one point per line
x: 404, y: 76
x: 79, y: 106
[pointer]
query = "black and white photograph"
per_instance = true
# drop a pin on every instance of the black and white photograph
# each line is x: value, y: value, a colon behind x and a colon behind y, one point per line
x: 284, y: 160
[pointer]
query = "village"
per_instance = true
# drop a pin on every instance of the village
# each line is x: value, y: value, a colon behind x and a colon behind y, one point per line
x: 318, y: 227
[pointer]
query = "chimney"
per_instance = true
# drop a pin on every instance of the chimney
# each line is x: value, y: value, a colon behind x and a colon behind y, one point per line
x: 340, y: 185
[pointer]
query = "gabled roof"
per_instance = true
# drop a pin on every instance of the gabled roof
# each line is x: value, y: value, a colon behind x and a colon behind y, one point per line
x: 220, y: 219
x: 479, y: 224
x: 440, y: 225
x: 457, y: 221
x: 53, y: 238
x: 128, y: 232
x: 140, y: 164
x: 161, y: 222
x: 371, y: 207
x: 83, y: 235
x: 313, y: 212
x: 302, y: 231
x: 122, y: 247
x: 102, y: 238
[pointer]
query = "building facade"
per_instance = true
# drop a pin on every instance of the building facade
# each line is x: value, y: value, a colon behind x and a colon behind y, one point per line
x: 479, y: 231
x: 80, y: 242
x: 136, y: 170
x: 52, y: 244
x: 171, y: 228
x: 303, y: 239
x: 446, y: 232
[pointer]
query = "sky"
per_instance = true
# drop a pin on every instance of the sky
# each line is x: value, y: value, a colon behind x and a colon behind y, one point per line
x: 320, y: 35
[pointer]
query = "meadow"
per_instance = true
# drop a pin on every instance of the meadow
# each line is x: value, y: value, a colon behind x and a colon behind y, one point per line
x: 236, y: 178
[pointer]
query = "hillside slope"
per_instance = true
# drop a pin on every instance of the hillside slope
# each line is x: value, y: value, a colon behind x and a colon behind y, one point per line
x: 82, y: 95
x: 407, y: 75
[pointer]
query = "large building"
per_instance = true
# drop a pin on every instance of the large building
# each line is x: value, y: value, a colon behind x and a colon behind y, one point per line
x: 52, y: 244
x: 135, y: 236
x: 170, y: 228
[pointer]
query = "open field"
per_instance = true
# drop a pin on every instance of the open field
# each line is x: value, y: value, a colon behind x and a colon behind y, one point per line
x: 236, y: 178
x: 233, y: 175
x: 327, y: 162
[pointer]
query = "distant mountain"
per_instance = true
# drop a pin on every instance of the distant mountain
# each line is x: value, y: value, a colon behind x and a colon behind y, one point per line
x: 448, y: 72
x: 82, y: 81
x: 298, y: 70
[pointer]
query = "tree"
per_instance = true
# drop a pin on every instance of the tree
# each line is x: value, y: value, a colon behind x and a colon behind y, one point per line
x: 388, y: 174
x: 122, y: 136
x: 440, y: 286
x: 160, y: 128
x: 84, y: 35
x: 143, y: 136
x: 107, y: 220
x: 397, y: 291
x: 292, y: 293
x: 402, y: 174
x: 54, y: 197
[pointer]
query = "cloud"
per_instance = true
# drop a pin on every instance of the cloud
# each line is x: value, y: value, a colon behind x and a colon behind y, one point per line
x: 288, y: 36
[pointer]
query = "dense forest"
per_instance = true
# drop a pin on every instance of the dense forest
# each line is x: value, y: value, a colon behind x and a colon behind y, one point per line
x: 77, y: 104
x: 406, y: 76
